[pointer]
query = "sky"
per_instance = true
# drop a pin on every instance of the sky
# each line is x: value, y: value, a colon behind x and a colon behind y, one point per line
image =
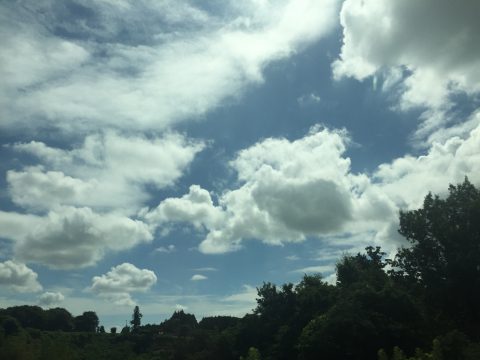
x: 177, y: 154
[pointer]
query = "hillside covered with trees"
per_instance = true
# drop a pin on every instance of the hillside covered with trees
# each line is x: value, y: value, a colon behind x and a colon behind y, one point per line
x: 422, y: 304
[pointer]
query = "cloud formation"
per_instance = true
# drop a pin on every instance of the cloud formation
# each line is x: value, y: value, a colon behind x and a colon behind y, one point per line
x: 18, y: 277
x: 73, y: 237
x: 123, y: 70
x: 291, y: 190
x: 49, y: 299
x: 122, y: 280
x: 198, y: 277
x: 86, y: 196
x: 428, y: 50
x: 284, y: 198
x: 107, y: 171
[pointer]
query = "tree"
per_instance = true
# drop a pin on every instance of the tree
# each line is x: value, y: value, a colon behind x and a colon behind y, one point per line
x: 180, y: 323
x: 136, y: 319
x: 113, y: 330
x: 362, y: 269
x: 444, y: 257
x: 88, y: 322
x: 10, y: 325
x: 28, y: 316
x: 59, y: 319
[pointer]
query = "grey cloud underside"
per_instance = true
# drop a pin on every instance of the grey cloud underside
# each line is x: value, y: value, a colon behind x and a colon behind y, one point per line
x: 78, y: 237
x: 424, y: 51
x: 318, y: 206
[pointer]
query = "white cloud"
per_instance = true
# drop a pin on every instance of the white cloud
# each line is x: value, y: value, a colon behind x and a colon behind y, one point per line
x: 105, y: 171
x: 408, y: 179
x: 323, y: 269
x: 162, y: 81
x: 166, y: 249
x: 18, y: 277
x: 308, y: 99
x: 50, y: 299
x: 181, y: 307
x: 122, y: 280
x: 16, y: 226
x: 73, y: 237
x: 195, y: 207
x: 291, y: 190
x: 432, y: 42
x: 283, y: 198
x: 198, y: 277
x: 248, y: 296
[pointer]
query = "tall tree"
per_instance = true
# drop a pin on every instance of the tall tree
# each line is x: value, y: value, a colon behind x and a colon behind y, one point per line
x: 444, y: 257
x: 136, y: 319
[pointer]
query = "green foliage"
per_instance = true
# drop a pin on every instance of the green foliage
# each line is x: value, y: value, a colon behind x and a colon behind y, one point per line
x: 253, y: 354
x: 180, y: 324
x: 136, y: 319
x: 10, y: 325
x: 218, y: 323
x: 443, y: 259
x: 88, y: 322
x: 59, y: 319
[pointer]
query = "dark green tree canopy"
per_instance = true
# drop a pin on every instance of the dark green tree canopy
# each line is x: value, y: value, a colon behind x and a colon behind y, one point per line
x: 444, y: 256
x: 136, y: 319
x: 88, y: 322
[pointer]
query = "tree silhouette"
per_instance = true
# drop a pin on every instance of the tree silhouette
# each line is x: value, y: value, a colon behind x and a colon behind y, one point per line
x: 88, y: 321
x: 443, y: 259
x: 136, y: 319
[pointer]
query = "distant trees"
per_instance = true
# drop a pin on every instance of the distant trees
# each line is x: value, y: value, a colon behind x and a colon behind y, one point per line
x: 88, y: 322
x: 180, y: 323
x: 59, y: 319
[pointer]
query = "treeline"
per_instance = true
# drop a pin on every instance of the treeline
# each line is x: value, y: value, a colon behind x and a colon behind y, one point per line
x: 422, y: 304
x: 57, y: 319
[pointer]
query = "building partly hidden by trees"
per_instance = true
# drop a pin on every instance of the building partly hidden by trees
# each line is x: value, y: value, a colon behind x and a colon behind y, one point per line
x: 424, y: 303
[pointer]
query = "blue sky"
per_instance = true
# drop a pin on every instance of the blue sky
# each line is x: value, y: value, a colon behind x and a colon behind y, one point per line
x: 176, y: 154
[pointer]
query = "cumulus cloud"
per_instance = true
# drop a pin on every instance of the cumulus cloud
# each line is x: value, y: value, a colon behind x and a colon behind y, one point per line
x: 107, y: 170
x: 147, y: 78
x: 283, y: 198
x: 18, y: 277
x: 49, y: 299
x: 195, y: 207
x: 291, y: 190
x: 86, y: 196
x: 122, y: 280
x: 432, y: 45
x: 73, y: 237
x: 198, y: 277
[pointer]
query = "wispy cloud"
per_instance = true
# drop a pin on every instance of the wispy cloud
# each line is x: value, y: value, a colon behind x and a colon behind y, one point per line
x: 198, y: 277
x: 166, y: 249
